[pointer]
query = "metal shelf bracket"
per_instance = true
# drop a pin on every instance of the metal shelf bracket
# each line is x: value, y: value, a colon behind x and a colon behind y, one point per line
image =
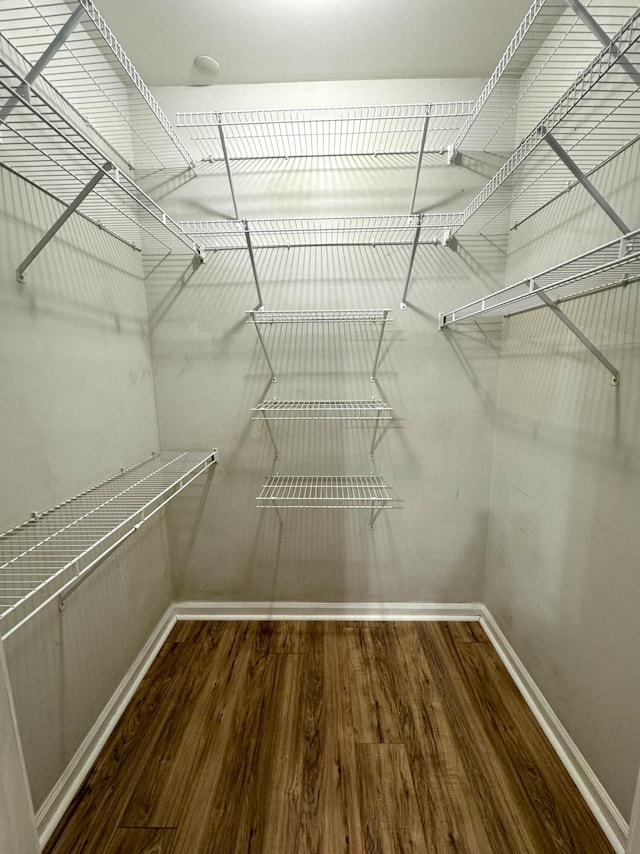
x: 412, y: 258
x: 615, y: 373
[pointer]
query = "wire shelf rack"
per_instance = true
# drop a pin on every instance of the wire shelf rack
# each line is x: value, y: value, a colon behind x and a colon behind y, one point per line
x: 42, y: 144
x: 549, y: 49
x: 326, y: 131
x: 94, y: 74
x: 323, y: 410
x: 614, y: 263
x: 371, y: 231
x: 597, y: 117
x: 343, y: 492
x: 50, y: 554
x: 367, y: 315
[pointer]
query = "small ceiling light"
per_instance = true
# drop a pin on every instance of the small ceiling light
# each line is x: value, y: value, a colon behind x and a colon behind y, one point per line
x: 207, y: 67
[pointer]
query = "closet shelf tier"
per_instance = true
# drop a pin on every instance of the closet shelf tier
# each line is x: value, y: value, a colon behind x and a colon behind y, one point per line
x: 549, y: 49
x: 320, y: 316
x: 614, y: 263
x: 344, y: 492
x: 93, y: 73
x: 326, y: 131
x: 323, y: 410
x: 42, y: 144
x: 369, y: 231
x: 595, y: 119
x: 53, y: 552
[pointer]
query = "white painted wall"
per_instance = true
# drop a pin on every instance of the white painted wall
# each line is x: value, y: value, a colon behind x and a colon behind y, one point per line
x: 78, y: 404
x: 17, y: 825
x: 209, y: 372
x: 562, y: 567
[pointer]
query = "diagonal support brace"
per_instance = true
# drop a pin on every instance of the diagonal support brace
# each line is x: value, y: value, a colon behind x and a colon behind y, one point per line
x: 591, y: 24
x: 423, y: 139
x: 58, y: 40
x: 414, y: 249
x: 247, y: 237
x: 615, y: 373
x: 227, y: 163
x: 575, y: 170
x: 64, y: 216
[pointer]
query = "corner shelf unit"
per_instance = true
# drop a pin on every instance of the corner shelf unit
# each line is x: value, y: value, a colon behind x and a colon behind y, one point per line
x: 359, y: 316
x: 52, y: 553
x: 43, y: 145
x: 323, y: 410
x: 73, y: 48
x: 361, y: 492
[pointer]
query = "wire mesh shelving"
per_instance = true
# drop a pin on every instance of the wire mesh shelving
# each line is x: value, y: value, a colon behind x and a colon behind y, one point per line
x: 49, y: 555
x: 94, y: 74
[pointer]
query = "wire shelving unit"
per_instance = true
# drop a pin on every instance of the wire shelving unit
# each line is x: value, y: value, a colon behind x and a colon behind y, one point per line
x: 93, y: 73
x: 358, y: 316
x: 596, y: 118
x: 52, y: 553
x: 335, y: 492
x: 323, y: 410
x: 43, y: 145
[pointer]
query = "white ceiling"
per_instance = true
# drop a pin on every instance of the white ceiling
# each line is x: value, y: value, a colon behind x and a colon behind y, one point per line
x: 272, y: 41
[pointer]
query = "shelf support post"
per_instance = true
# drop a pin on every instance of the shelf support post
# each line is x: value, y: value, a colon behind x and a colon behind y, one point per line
x: 227, y: 163
x: 590, y: 22
x: 414, y: 249
x: 278, y: 514
x: 425, y: 128
x: 375, y: 433
x: 64, y: 216
x: 274, y: 378
x: 271, y: 436
x: 573, y: 167
x: 247, y: 237
x: 375, y: 512
x: 36, y: 70
x: 615, y: 373
x: 382, y: 328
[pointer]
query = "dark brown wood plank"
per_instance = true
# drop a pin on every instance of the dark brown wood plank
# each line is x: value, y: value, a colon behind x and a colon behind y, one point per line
x: 509, y: 722
x: 389, y: 809
x: 375, y: 715
x: 195, y: 631
x: 467, y: 631
x: 451, y: 816
x: 137, y: 840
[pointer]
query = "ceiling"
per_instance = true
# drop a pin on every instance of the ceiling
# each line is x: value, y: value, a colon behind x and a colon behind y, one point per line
x: 273, y: 41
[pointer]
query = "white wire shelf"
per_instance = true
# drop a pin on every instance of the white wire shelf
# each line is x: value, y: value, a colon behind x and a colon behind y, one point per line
x: 597, y: 117
x: 326, y: 131
x: 368, y: 315
x: 323, y: 410
x: 548, y: 51
x: 613, y: 263
x: 370, y: 231
x: 50, y: 554
x: 42, y: 144
x: 94, y: 74
x: 337, y: 492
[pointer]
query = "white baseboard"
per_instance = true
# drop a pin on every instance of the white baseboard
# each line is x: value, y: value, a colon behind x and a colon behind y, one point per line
x: 327, y: 611
x: 69, y: 783
x: 605, y: 811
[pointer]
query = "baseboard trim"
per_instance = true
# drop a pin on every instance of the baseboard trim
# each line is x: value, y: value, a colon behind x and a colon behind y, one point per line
x: 53, y: 808
x: 605, y: 811
x: 327, y: 611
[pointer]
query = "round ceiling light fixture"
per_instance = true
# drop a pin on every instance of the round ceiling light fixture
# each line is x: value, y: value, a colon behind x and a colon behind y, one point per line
x: 207, y: 67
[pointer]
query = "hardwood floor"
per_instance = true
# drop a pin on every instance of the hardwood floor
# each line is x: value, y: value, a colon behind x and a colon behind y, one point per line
x: 296, y: 737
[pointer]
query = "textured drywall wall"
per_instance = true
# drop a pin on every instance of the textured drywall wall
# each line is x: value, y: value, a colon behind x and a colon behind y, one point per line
x: 562, y: 568
x: 78, y: 404
x: 209, y: 371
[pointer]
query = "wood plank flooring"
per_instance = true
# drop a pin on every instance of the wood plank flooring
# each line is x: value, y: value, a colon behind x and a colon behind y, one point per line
x: 323, y: 738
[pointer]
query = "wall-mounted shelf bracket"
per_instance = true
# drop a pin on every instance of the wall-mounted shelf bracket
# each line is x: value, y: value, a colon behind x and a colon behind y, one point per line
x: 425, y: 129
x: 452, y: 152
x: 247, y: 237
x: 582, y: 179
x: 385, y: 317
x: 227, y: 163
x: 592, y: 25
x: 64, y: 216
x: 412, y: 258
x: 36, y: 70
x: 615, y: 373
